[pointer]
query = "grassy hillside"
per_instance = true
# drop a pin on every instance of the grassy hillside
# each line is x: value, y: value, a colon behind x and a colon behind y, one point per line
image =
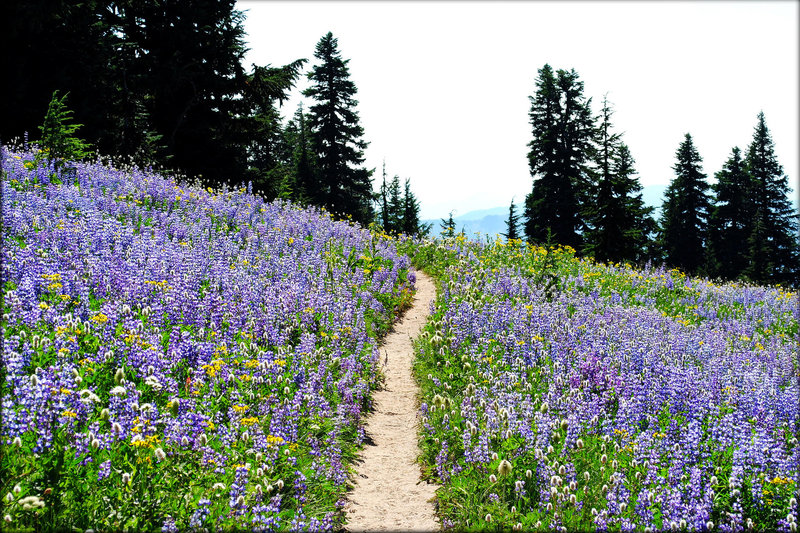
x: 562, y: 393
x: 182, y: 358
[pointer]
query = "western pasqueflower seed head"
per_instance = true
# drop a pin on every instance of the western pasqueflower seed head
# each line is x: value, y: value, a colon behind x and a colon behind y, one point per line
x: 494, y: 456
x: 280, y: 484
x: 159, y: 453
x: 528, y: 474
x: 17, y: 442
x: 126, y: 478
x: 492, y: 479
x: 504, y: 467
x: 119, y: 376
x: 105, y: 414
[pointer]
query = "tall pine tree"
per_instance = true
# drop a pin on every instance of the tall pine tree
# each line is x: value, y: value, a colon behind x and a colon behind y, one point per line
x: 563, y: 128
x: 684, y: 216
x: 618, y: 222
x: 512, y: 231
x: 773, y: 240
x: 411, y: 223
x: 730, y: 222
x: 345, y: 184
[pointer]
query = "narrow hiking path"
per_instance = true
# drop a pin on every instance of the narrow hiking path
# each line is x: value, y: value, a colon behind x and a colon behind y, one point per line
x: 388, y: 494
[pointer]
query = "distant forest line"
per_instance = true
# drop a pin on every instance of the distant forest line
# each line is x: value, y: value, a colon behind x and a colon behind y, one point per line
x: 164, y: 84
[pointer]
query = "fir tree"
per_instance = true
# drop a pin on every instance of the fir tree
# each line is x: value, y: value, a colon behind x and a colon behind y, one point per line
x: 774, y: 231
x: 562, y: 128
x: 302, y: 173
x: 448, y: 226
x: 411, y: 223
x: 684, y: 214
x: 512, y: 232
x: 395, y: 200
x: 59, y: 145
x: 618, y: 223
x: 344, y: 183
x: 384, y: 201
x: 730, y: 222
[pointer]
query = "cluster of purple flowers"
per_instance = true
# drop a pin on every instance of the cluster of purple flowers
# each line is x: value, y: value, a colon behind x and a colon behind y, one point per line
x: 631, y: 399
x: 210, y: 331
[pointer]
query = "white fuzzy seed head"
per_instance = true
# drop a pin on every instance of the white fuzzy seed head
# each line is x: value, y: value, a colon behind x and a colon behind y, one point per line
x: 528, y: 474
x: 504, y: 467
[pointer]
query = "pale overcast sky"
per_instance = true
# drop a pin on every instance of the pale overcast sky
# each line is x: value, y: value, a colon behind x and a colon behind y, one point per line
x: 443, y: 87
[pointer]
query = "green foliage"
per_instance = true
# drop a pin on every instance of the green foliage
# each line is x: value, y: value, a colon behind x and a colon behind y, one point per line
x: 345, y: 185
x: 773, y: 247
x: 618, y: 222
x: 563, y: 129
x: 683, y: 223
x: 448, y: 226
x: 59, y: 145
x: 512, y: 231
x: 730, y: 220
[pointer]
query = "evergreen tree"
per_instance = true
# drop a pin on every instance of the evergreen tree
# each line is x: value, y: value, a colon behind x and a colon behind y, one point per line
x: 563, y: 128
x: 448, y: 226
x: 773, y: 242
x: 344, y: 182
x: 58, y: 144
x: 685, y: 210
x: 411, y: 223
x: 618, y: 223
x: 395, y: 197
x: 730, y: 222
x: 512, y: 231
x: 302, y: 163
x: 384, y: 201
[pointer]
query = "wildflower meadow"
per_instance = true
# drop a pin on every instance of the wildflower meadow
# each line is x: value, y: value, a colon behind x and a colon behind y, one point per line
x: 562, y: 394
x: 180, y: 358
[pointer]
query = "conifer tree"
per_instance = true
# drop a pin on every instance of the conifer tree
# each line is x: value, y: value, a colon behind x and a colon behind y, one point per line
x: 773, y: 242
x: 730, y: 222
x: 59, y: 144
x: 684, y: 215
x: 448, y: 226
x: 395, y: 198
x: 618, y: 222
x: 302, y: 173
x: 512, y: 232
x: 384, y: 201
x: 411, y: 223
x: 563, y: 128
x: 344, y: 182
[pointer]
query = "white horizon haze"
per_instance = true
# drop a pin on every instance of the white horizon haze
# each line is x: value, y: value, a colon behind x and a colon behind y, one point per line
x: 444, y: 87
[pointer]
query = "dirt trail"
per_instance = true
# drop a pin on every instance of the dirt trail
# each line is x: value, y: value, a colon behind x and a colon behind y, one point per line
x: 388, y: 493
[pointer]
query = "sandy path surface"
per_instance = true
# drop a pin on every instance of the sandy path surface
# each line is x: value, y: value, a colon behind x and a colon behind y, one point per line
x: 388, y: 494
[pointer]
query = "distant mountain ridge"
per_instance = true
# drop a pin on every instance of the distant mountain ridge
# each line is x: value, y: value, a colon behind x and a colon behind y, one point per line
x: 491, y: 222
